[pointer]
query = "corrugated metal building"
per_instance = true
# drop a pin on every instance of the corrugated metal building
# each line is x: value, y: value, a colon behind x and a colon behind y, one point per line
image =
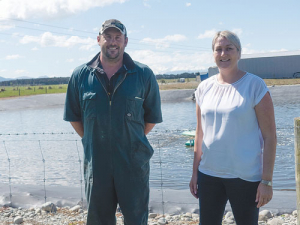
x: 270, y: 65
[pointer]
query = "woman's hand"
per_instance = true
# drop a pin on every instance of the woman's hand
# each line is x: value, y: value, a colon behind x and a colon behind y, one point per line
x: 264, y: 195
x: 194, y: 186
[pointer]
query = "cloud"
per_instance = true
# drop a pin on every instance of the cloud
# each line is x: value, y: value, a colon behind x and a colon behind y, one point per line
x: 9, y: 57
x: 70, y: 60
x: 6, y: 26
x: 3, y: 71
x: 246, y: 50
x: 47, y: 39
x: 280, y: 50
x: 164, y: 62
x: 211, y: 33
x: 163, y: 43
x: 86, y: 59
x: 188, y: 4
x: 48, y: 8
x: 237, y: 31
x: 34, y: 49
x: 208, y: 34
x: 88, y: 48
x: 146, y: 4
x: 20, y: 71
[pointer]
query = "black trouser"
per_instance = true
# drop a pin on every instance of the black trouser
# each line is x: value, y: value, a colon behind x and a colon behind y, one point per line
x: 214, y: 192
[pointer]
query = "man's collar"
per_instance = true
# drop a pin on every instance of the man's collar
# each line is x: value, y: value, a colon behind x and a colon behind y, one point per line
x: 128, y: 62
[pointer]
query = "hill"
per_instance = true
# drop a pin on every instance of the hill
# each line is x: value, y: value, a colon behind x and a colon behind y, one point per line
x: 4, y: 79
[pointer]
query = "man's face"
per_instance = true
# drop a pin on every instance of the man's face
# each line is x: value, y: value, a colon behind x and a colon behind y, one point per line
x: 112, y: 43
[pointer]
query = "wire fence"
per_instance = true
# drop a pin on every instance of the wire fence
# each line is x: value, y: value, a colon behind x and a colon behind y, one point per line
x: 12, y: 141
x: 46, y: 159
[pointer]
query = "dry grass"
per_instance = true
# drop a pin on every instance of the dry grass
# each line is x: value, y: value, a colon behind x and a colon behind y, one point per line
x: 194, y: 84
x: 271, y: 82
x: 172, y: 86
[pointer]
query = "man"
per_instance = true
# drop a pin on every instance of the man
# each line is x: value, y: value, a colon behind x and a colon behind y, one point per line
x: 113, y: 102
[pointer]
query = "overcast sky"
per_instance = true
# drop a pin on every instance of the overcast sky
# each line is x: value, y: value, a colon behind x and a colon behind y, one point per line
x: 52, y: 37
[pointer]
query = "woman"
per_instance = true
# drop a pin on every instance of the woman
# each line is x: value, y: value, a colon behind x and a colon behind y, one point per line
x: 235, y: 142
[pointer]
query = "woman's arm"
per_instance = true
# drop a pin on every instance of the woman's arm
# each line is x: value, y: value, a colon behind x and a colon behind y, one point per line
x: 197, y: 153
x: 265, y: 115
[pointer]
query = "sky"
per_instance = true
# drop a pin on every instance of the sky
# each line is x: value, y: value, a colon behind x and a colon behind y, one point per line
x: 52, y: 37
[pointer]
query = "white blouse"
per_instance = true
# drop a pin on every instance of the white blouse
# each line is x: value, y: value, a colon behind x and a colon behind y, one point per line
x: 232, y: 141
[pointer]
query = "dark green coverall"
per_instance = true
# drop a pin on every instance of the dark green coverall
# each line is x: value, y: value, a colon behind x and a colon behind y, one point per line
x: 116, y: 149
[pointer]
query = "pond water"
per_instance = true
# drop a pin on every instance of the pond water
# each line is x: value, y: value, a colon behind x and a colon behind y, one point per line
x: 40, y: 145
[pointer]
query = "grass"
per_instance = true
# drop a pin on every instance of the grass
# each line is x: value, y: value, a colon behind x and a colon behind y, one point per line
x: 171, y: 84
x: 292, y: 81
x: 164, y: 84
x: 31, y: 90
x: 193, y: 84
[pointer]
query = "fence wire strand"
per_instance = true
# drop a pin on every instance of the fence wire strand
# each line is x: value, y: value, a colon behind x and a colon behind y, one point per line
x: 43, y: 159
x: 81, y: 180
x: 161, y: 181
x: 153, y: 132
x: 9, y: 177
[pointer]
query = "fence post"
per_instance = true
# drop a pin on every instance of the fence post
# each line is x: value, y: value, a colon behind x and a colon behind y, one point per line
x: 297, y: 165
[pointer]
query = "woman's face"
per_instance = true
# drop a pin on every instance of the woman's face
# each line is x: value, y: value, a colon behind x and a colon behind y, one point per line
x: 226, y: 54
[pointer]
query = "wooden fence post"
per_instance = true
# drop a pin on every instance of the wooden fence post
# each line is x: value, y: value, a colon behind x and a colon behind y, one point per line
x: 297, y: 165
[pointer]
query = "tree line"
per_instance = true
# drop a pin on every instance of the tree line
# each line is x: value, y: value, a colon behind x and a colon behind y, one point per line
x: 36, y: 81
x: 65, y: 80
x: 177, y: 76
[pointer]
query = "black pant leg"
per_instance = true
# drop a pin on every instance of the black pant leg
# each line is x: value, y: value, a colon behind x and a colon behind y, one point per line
x: 242, y: 195
x: 212, y: 199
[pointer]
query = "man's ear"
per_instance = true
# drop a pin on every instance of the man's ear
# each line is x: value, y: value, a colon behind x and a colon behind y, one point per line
x: 98, y: 39
x: 126, y: 41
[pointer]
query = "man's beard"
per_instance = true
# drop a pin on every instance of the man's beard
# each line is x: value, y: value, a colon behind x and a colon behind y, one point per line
x: 112, y: 56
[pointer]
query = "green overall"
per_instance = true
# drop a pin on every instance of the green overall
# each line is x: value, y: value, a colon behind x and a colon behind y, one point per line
x: 116, y: 149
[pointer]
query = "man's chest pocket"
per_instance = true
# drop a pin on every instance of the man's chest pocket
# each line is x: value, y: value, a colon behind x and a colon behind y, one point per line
x: 88, y: 105
x: 135, y: 110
